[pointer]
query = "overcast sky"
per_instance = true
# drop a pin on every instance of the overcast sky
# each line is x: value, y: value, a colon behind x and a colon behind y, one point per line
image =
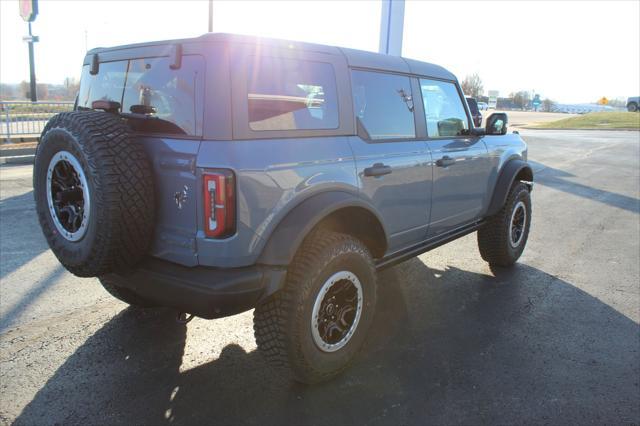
x: 569, y: 51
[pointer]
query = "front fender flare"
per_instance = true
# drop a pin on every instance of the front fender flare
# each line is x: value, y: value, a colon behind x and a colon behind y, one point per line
x: 507, y: 176
x: 287, y: 237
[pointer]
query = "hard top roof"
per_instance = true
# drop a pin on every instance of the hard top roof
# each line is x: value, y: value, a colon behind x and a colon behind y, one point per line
x: 355, y: 58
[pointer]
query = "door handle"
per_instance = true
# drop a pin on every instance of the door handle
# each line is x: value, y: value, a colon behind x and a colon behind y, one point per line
x: 445, y: 161
x: 377, y: 169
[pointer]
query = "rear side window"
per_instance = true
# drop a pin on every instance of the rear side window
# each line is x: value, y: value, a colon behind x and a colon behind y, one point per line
x: 383, y: 105
x: 443, y: 109
x: 289, y: 94
x: 171, y: 99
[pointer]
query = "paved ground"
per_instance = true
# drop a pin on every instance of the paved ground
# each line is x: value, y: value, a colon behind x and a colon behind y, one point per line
x: 554, y: 340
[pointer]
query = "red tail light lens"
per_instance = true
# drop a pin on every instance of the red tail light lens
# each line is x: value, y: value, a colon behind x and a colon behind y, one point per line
x: 219, y: 204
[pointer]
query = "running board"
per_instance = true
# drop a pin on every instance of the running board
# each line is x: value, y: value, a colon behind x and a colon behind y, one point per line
x: 416, y: 250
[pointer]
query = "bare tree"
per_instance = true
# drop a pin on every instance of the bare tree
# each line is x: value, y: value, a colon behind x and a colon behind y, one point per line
x: 547, y: 105
x: 520, y: 99
x: 72, y: 86
x: 472, y: 85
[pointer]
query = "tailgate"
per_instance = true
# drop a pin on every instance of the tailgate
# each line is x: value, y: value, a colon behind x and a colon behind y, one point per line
x: 173, y: 162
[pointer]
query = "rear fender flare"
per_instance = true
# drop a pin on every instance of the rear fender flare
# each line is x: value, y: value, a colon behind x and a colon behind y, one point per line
x: 288, y: 235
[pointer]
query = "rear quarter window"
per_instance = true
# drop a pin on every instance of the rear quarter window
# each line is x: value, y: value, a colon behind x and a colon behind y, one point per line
x: 291, y: 94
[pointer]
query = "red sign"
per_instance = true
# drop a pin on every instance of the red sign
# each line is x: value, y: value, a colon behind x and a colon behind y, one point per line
x: 28, y: 9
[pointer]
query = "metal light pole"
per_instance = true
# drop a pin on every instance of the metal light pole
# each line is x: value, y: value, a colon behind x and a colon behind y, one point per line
x: 28, y: 12
x: 32, y: 67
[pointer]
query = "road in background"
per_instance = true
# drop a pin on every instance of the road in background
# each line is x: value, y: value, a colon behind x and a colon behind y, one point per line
x: 553, y: 340
x: 527, y: 118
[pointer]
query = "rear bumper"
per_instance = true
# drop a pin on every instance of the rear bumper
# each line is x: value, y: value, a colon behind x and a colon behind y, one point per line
x: 202, y: 291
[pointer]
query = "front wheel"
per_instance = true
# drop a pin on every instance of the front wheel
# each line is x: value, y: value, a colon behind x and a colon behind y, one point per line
x: 632, y: 107
x: 503, y: 238
x: 316, y: 324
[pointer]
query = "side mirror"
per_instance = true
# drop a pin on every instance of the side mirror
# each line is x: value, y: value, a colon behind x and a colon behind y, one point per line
x: 497, y: 124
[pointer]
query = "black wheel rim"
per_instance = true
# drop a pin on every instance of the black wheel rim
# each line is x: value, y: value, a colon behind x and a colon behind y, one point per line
x: 337, y: 311
x: 68, y: 195
x: 517, y: 224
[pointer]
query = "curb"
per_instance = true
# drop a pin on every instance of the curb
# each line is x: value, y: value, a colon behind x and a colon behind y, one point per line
x: 12, y: 152
x: 18, y: 159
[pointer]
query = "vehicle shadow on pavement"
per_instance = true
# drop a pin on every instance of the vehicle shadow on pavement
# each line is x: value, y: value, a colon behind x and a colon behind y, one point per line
x: 560, y: 180
x: 447, y: 346
x: 22, y: 239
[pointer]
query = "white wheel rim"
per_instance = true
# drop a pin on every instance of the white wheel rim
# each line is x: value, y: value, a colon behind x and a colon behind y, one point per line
x: 80, y: 181
x: 317, y: 316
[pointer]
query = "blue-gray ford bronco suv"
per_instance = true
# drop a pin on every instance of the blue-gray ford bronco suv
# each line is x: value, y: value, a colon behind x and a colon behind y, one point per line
x: 223, y: 173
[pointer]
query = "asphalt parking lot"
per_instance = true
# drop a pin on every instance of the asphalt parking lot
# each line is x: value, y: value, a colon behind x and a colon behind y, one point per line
x: 555, y: 339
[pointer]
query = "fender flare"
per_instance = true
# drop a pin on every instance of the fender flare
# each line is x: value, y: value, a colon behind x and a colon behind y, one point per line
x: 506, y: 178
x: 284, y: 241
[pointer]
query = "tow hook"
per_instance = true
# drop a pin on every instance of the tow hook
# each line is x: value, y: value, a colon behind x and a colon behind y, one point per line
x: 184, y: 318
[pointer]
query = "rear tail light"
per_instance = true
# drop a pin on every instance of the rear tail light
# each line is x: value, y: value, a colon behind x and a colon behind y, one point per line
x: 219, y: 204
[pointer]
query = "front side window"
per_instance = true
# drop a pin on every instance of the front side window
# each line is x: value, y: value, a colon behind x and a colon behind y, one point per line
x: 289, y: 94
x: 443, y: 109
x: 383, y: 105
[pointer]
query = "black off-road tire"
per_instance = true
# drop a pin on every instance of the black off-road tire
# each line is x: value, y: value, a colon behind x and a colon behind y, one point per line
x: 494, y: 237
x: 120, y: 222
x: 124, y: 294
x: 282, y: 323
x: 632, y: 107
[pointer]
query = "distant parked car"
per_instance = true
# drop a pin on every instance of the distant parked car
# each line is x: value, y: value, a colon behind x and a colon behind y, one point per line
x: 483, y: 106
x: 633, y: 103
x: 475, y: 112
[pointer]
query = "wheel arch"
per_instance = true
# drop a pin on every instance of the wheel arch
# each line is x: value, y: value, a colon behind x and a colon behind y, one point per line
x: 514, y: 170
x: 336, y: 211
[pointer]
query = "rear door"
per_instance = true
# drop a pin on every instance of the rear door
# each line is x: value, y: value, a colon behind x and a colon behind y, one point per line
x: 392, y: 163
x: 461, y: 165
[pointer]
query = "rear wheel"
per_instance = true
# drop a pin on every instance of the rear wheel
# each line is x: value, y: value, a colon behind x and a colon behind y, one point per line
x: 314, y: 327
x: 503, y: 238
x: 632, y: 107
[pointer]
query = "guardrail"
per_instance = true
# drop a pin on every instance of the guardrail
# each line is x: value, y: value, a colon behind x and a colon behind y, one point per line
x: 20, y: 119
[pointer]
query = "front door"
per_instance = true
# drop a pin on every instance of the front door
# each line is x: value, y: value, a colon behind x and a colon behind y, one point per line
x: 461, y: 165
x: 393, y: 165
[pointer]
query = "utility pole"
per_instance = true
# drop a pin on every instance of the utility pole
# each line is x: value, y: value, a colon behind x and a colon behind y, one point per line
x: 210, y: 16
x: 28, y: 12
x: 391, y: 27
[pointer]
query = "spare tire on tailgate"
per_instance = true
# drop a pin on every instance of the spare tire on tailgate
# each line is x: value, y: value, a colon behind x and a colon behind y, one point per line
x: 94, y: 194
